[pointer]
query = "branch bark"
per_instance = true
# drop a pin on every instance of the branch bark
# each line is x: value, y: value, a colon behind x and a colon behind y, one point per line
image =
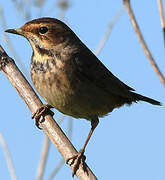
x: 142, y: 42
x: 49, y: 126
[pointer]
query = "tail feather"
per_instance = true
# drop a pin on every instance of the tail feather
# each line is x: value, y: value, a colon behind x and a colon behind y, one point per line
x: 139, y: 97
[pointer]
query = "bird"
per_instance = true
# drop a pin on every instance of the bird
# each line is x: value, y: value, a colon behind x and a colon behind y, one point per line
x: 70, y: 78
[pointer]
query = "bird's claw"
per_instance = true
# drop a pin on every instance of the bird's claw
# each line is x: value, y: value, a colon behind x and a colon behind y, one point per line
x: 42, y: 111
x: 77, y: 160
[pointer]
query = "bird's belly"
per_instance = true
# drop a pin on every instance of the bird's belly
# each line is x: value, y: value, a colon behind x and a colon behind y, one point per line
x: 76, y: 98
x: 53, y: 88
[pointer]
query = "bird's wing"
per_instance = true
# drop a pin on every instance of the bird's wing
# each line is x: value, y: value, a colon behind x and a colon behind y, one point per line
x: 91, y: 68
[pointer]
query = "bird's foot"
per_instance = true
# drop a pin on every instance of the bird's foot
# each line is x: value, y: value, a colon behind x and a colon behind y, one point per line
x: 41, y: 112
x: 77, y: 160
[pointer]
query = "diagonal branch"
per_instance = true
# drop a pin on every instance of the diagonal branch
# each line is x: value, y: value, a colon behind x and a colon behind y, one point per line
x: 49, y: 126
x: 142, y: 42
x: 108, y: 31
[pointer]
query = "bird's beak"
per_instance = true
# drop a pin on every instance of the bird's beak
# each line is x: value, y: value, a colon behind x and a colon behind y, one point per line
x: 18, y: 31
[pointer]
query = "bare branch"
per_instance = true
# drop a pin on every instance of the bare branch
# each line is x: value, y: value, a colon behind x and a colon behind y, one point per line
x: 8, y: 158
x: 162, y: 20
x: 49, y: 126
x: 143, y: 43
x: 43, y: 158
x: 108, y: 31
x: 19, y: 7
x: 27, y: 10
x: 23, y: 8
x: 160, y: 5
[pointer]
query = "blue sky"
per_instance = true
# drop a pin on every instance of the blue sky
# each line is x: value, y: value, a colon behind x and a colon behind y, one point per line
x: 129, y: 143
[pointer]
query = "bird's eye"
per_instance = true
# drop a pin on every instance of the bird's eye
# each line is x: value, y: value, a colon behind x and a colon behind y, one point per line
x: 43, y: 30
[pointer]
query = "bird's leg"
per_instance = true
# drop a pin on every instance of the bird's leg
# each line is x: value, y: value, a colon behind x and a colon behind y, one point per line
x: 79, y: 158
x: 42, y: 111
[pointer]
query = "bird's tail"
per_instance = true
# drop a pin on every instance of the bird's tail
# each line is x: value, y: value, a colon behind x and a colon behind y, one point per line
x: 139, y: 97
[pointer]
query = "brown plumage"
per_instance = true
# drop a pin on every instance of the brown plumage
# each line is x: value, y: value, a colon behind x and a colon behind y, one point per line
x: 70, y: 77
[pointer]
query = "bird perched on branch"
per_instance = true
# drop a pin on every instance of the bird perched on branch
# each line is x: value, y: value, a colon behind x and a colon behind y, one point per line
x: 71, y: 78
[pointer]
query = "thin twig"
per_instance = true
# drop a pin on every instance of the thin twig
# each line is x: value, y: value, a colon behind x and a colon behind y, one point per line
x: 23, y: 8
x: 8, y: 158
x: 48, y: 124
x: 43, y: 159
x: 108, y: 31
x: 160, y: 5
x: 60, y: 119
x: 143, y: 43
x: 70, y: 128
x: 162, y: 20
x: 19, y: 8
x: 56, y: 170
x: 27, y: 10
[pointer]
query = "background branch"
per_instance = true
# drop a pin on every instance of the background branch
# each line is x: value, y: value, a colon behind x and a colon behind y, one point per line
x: 161, y: 11
x: 9, y: 44
x: 108, y: 31
x: 49, y: 126
x: 43, y: 159
x: 142, y: 42
x: 160, y: 5
x: 8, y: 158
x: 56, y: 170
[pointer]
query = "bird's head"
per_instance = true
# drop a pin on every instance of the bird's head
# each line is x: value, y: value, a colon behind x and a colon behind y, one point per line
x: 44, y: 32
